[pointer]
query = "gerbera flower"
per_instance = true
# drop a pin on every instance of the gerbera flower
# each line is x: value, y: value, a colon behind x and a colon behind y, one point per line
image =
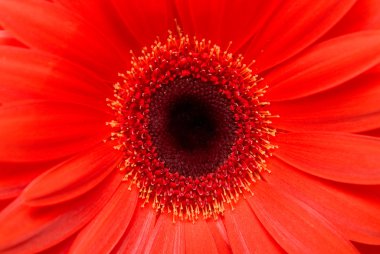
x: 189, y: 126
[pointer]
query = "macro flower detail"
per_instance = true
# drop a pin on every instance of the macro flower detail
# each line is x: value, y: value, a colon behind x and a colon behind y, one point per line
x: 194, y: 133
x: 189, y: 126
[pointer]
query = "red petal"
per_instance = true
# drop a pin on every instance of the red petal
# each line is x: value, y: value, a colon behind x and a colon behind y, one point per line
x: 223, y: 21
x: 368, y: 249
x: 198, y: 238
x: 28, y: 230
x: 61, y: 248
x: 7, y: 39
x: 138, y: 232
x: 219, y: 234
x: 4, y: 203
x: 29, y: 74
x: 246, y: 233
x: 71, y: 4
x: 103, y: 15
x: 364, y: 15
x: 325, y: 65
x: 202, y: 18
x: 180, y: 237
x: 30, y: 131
x: 14, y: 177
x: 340, y: 157
x: 53, y: 29
x: 294, y: 225
x: 294, y: 26
x: 148, y: 15
x: 167, y: 237
x: 109, y: 225
x: 73, y: 177
x: 374, y: 133
x: 352, y: 107
x: 355, y: 215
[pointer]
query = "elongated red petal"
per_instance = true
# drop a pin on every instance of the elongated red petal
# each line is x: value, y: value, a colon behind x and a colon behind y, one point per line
x: 14, y: 177
x: 203, y: 18
x: 345, y: 57
x: 180, y: 237
x: 198, y: 238
x: 25, y: 229
x: 109, y: 225
x: 294, y: 225
x: 368, y: 249
x: 246, y: 233
x: 351, y: 107
x: 167, y: 237
x: 138, y: 232
x: 31, y: 75
x: 356, y: 215
x: 374, y: 133
x: 293, y: 26
x: 75, y: 39
x: 7, y: 39
x: 225, y: 21
x: 340, y: 157
x: 364, y: 15
x: 147, y: 15
x: 219, y: 234
x: 5, y: 202
x: 105, y: 18
x: 28, y: 131
x: 60, y: 248
x: 73, y: 177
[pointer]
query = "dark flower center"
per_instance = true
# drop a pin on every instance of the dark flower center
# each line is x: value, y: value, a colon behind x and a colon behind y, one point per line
x: 192, y: 126
x: 194, y: 132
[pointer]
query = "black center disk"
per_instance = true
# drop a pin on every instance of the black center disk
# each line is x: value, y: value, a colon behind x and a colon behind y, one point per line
x: 192, y: 126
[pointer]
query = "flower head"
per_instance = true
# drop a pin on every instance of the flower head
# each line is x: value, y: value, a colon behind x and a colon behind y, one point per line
x: 183, y: 127
x: 192, y: 129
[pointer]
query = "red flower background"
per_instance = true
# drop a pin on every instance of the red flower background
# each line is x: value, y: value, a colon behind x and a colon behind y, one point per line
x: 59, y: 190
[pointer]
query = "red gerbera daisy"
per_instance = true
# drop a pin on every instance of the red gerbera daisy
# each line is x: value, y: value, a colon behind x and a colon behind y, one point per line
x: 189, y: 126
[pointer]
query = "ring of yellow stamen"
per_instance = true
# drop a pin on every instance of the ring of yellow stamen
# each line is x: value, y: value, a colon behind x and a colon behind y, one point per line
x: 188, y: 197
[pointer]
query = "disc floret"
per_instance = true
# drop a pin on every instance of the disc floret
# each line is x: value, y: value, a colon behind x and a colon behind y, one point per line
x: 207, y: 193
